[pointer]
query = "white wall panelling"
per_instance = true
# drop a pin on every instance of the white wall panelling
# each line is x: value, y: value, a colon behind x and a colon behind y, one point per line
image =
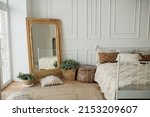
x: 85, y: 23
x: 67, y: 11
x: 148, y: 21
x: 39, y: 8
x: 90, y: 57
x: 93, y: 9
x: 125, y: 18
x: 49, y: 8
x: 70, y: 54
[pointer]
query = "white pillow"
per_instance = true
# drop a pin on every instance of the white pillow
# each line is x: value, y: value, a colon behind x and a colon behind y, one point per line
x: 129, y: 58
x: 50, y: 80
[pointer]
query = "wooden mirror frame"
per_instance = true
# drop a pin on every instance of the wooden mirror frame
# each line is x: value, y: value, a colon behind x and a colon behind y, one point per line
x: 29, y: 22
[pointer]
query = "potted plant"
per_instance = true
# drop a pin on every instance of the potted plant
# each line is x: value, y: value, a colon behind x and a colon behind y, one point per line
x: 26, y: 78
x: 55, y: 64
x: 69, y: 68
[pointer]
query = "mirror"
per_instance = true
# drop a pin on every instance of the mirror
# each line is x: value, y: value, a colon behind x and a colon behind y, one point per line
x: 43, y: 37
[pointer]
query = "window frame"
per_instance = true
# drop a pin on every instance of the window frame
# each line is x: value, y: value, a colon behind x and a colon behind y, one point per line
x: 4, y: 6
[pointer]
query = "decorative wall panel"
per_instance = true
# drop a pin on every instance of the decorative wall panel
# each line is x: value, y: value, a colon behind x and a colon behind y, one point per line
x: 124, y: 18
x: 70, y: 54
x: 66, y: 10
x: 93, y: 10
x: 90, y: 56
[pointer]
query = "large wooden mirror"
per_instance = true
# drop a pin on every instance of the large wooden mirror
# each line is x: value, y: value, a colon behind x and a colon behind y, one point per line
x: 43, y: 37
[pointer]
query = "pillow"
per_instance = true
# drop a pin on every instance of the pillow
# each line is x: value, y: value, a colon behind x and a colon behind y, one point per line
x: 103, y: 50
x: 108, y: 57
x: 145, y: 57
x: 129, y: 58
x: 18, y: 96
x: 50, y: 81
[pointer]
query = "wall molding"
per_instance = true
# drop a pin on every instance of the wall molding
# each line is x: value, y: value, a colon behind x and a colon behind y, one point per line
x: 136, y: 22
x: 49, y: 8
x: 148, y: 22
x: 93, y: 22
x: 73, y: 34
x: 70, y: 54
x: 90, y: 56
x: 72, y: 18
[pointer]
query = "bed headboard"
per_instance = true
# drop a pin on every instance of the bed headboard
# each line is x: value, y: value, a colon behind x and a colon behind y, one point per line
x: 120, y: 50
x: 123, y: 49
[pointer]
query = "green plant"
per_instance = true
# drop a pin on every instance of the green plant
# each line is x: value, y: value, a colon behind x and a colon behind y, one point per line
x: 25, y: 76
x: 69, y: 64
x: 55, y: 64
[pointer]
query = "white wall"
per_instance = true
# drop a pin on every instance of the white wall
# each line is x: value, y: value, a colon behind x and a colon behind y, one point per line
x: 17, y: 11
x: 86, y: 23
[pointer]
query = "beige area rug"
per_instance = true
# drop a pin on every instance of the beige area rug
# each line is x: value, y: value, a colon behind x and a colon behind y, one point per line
x: 70, y: 90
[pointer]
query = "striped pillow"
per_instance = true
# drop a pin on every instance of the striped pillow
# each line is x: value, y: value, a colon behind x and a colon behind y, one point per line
x: 108, y: 57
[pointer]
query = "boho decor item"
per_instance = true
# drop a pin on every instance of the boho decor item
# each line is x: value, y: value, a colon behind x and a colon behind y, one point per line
x: 69, y: 68
x: 86, y: 73
x: 26, y: 78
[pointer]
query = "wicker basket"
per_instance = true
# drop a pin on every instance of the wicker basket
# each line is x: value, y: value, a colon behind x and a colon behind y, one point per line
x: 69, y: 74
x: 86, y: 73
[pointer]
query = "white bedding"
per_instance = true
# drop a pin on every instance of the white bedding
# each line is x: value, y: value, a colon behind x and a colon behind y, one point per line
x: 47, y: 62
x: 106, y: 77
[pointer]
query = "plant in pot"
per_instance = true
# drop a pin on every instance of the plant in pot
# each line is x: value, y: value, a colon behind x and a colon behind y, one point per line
x: 26, y: 78
x: 69, y: 68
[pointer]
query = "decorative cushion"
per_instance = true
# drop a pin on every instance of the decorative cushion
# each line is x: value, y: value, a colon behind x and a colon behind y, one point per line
x: 107, y: 57
x: 129, y: 58
x: 103, y: 50
x: 50, y: 81
x: 145, y: 57
x: 18, y: 96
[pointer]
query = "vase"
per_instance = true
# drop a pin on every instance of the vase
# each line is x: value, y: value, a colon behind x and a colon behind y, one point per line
x: 28, y: 83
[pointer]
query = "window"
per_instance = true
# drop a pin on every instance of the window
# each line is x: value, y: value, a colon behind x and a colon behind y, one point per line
x: 4, y: 1
x: 4, y: 45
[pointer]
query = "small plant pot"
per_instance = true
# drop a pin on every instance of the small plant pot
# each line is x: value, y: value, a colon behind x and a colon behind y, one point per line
x: 28, y: 83
x: 69, y: 74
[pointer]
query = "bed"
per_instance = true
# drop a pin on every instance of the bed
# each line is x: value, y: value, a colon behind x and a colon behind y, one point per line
x: 124, y: 80
x: 46, y: 58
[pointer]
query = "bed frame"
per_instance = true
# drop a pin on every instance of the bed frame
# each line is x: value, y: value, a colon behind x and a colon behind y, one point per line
x: 133, y: 94
x: 44, y: 53
x: 127, y: 94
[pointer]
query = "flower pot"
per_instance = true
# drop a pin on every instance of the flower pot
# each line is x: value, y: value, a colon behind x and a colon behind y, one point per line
x: 69, y: 74
x: 28, y: 83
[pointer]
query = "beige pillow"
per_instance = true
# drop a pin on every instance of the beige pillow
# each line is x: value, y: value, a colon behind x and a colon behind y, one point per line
x: 129, y: 58
x: 50, y: 81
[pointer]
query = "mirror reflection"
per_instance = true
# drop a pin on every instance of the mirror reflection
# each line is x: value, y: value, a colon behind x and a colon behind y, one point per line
x: 44, y: 46
x: 44, y: 43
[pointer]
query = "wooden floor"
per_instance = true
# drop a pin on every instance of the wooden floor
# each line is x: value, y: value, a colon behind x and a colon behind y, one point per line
x: 12, y: 87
